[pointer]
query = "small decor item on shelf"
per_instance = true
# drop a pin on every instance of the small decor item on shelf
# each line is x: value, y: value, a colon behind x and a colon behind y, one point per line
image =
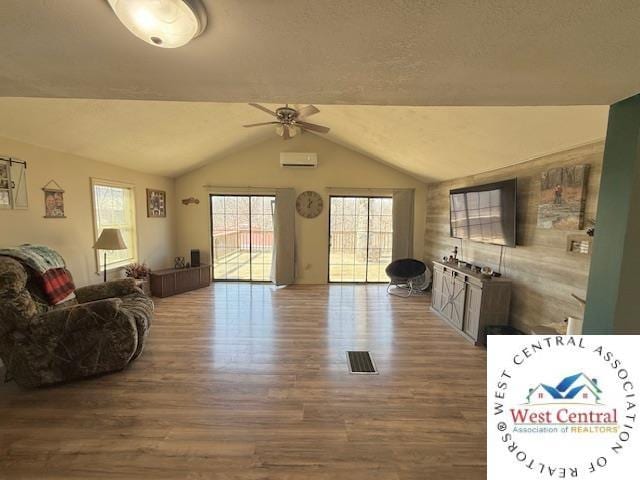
x: 53, y: 200
x: 190, y: 200
x: 137, y: 270
x: 195, y: 257
x: 178, y: 262
x: 591, y: 229
x: 486, y: 271
x: 454, y: 254
x: 156, y: 203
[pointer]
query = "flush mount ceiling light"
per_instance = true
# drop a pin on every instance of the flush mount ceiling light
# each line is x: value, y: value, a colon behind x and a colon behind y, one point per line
x: 162, y: 23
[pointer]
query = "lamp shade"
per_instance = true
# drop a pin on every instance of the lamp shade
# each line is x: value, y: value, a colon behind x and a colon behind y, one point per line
x: 110, y: 239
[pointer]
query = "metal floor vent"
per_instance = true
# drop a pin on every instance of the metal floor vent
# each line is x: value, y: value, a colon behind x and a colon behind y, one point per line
x: 361, y: 362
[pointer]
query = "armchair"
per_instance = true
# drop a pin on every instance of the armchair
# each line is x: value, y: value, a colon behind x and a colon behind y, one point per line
x: 102, y: 331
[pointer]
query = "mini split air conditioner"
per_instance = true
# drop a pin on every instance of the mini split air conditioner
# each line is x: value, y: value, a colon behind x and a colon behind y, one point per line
x: 298, y: 160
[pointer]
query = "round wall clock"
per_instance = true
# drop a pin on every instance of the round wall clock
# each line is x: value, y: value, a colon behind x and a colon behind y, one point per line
x: 309, y: 204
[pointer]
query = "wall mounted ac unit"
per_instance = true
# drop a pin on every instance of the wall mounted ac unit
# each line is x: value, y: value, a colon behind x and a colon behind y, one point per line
x: 298, y: 160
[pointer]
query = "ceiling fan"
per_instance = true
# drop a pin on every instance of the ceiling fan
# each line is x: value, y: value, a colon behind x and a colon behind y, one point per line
x: 289, y: 120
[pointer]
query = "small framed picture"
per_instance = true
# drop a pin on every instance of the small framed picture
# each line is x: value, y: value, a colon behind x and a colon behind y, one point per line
x: 156, y: 203
x: 54, y: 204
x: 5, y: 191
x: 5, y: 199
x: 4, y: 176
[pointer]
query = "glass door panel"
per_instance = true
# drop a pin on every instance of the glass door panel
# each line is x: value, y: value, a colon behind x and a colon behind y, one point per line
x: 360, y: 236
x: 242, y: 237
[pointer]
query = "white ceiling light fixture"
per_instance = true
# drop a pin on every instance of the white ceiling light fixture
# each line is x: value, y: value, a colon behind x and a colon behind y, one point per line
x: 162, y: 23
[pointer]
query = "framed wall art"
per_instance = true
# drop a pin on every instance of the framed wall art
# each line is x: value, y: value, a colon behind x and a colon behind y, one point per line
x: 53, y: 200
x: 562, y: 197
x: 156, y: 203
x: 13, y: 183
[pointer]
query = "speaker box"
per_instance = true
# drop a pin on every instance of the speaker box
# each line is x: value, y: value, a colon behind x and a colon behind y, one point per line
x: 195, y: 258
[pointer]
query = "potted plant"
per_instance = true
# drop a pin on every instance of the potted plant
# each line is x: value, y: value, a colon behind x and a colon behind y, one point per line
x: 140, y: 272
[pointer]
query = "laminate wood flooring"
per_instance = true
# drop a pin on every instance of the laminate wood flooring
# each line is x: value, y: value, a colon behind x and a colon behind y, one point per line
x: 249, y: 381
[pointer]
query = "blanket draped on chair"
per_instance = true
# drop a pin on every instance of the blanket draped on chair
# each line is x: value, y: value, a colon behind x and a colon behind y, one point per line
x: 49, y: 270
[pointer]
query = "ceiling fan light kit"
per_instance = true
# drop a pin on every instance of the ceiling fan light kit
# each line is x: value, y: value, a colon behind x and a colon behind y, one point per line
x: 288, y: 120
x: 162, y: 23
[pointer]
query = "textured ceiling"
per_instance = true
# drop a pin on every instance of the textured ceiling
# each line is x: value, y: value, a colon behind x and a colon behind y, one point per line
x: 378, y: 52
x: 169, y: 138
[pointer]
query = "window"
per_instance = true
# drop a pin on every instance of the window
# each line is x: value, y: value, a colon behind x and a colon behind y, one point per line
x: 540, y: 395
x: 114, y: 207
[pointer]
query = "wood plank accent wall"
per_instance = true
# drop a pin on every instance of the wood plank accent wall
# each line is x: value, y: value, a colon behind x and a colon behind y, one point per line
x: 544, y: 274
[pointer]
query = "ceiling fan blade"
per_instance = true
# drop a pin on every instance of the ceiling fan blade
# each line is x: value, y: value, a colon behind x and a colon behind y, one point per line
x: 307, y: 111
x: 260, y: 124
x: 313, y: 127
x: 264, y: 109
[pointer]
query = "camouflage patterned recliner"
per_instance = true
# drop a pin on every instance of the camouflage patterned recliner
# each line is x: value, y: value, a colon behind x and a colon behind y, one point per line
x: 100, y: 331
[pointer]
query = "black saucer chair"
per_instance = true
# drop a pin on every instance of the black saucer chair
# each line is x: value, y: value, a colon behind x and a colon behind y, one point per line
x: 406, y: 277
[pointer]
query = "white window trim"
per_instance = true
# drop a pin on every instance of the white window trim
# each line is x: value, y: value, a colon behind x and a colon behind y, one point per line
x: 98, y: 257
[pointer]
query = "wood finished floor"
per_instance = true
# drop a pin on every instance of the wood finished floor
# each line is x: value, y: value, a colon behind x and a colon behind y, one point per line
x: 244, y: 381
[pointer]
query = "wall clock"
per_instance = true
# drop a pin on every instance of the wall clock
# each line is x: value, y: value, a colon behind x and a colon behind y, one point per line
x: 309, y: 204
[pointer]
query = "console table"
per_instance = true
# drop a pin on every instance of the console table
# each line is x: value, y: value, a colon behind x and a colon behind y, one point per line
x: 469, y: 301
x: 172, y: 281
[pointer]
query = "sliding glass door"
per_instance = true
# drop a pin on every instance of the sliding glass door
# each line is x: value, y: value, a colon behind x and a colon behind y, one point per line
x: 242, y: 237
x: 360, y: 238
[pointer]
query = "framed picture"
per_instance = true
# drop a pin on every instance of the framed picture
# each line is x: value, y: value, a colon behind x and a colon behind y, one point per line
x: 13, y: 183
x: 53, y: 204
x: 5, y: 192
x: 53, y: 201
x: 5, y: 199
x: 4, y: 176
x: 562, y: 197
x: 156, y: 203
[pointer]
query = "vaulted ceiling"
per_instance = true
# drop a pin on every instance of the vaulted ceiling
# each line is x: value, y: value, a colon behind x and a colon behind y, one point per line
x: 436, y: 89
x: 169, y: 138
x: 380, y: 52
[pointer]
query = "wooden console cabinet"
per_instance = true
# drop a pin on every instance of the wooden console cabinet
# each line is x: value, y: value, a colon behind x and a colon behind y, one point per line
x: 172, y: 281
x: 469, y: 301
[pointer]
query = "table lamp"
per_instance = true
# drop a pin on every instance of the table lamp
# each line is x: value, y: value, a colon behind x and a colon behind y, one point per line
x: 110, y: 239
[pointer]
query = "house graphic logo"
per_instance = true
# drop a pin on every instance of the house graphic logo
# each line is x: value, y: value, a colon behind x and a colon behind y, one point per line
x: 574, y: 389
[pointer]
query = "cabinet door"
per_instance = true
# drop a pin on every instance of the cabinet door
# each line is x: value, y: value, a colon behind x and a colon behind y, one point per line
x: 457, y: 301
x: 436, y: 290
x: 473, y: 303
x: 446, y: 294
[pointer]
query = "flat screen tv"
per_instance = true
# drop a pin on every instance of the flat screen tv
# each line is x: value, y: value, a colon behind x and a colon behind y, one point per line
x: 484, y: 213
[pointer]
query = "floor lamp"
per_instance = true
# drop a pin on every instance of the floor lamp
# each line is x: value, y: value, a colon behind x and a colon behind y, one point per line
x: 110, y: 239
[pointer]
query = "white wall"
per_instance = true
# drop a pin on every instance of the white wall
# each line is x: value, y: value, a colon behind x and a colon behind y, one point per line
x: 74, y: 236
x: 259, y: 166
